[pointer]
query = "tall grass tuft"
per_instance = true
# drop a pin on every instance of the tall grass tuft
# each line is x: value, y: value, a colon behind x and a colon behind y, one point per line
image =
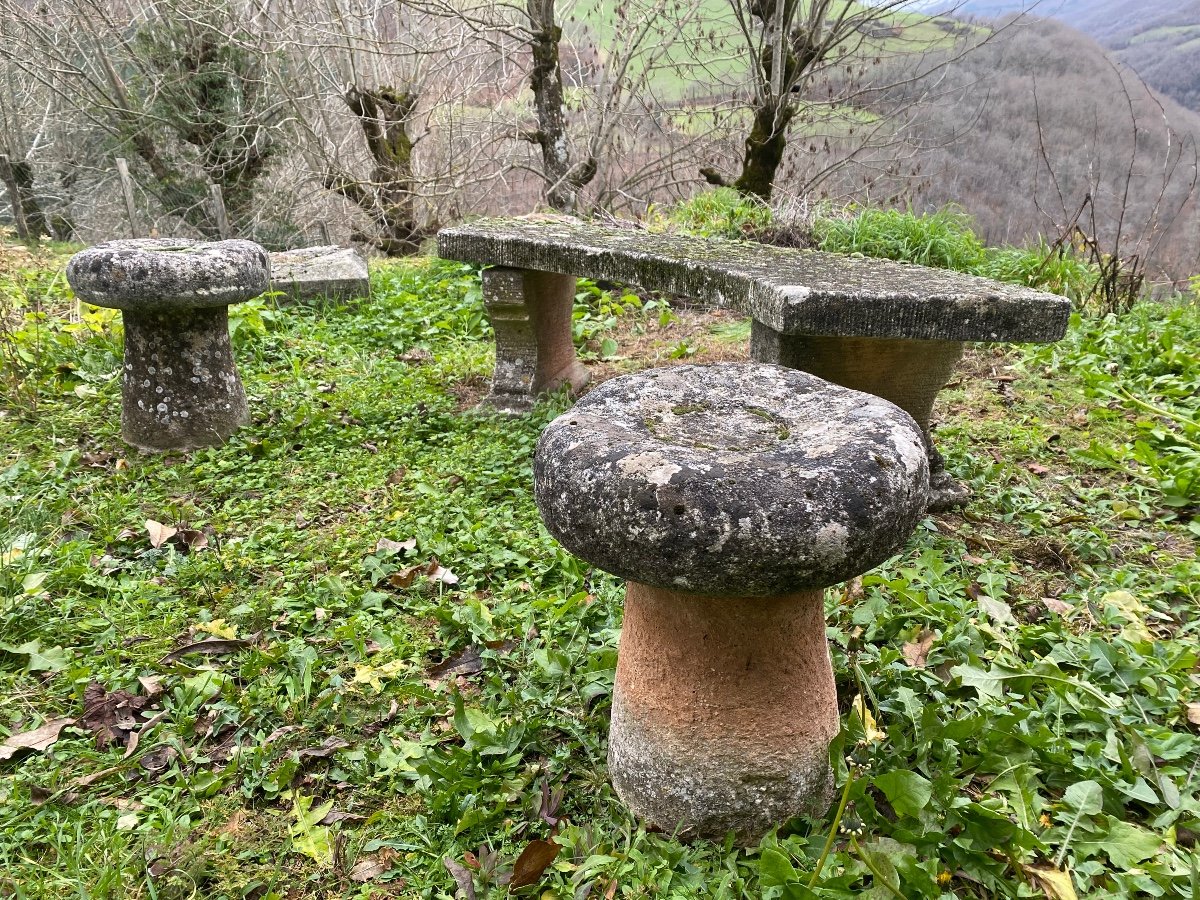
x: 942, y: 239
x: 721, y: 213
x: 1060, y: 271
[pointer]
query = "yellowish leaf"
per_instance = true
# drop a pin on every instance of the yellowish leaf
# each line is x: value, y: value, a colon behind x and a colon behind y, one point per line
x: 375, y: 675
x: 217, y: 628
x: 872, y: 733
x: 1056, y: 883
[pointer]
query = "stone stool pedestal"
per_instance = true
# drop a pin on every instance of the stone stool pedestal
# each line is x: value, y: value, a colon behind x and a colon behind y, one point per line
x: 728, y: 497
x: 180, y: 388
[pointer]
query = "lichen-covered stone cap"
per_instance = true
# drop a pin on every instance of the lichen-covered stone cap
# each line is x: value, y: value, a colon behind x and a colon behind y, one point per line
x: 736, y: 479
x: 158, y: 273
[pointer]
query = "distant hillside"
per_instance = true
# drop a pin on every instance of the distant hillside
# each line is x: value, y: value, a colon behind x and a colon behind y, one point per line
x: 1158, y: 39
x: 1044, y: 85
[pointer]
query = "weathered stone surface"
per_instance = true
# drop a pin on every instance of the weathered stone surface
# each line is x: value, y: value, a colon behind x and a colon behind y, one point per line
x: 728, y: 496
x: 158, y: 273
x: 790, y: 291
x: 180, y: 388
x: 723, y: 711
x: 530, y: 314
x: 908, y: 373
x: 320, y: 273
x: 738, y: 479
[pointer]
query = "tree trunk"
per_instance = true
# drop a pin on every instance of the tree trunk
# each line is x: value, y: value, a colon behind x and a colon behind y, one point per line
x: 385, y: 114
x: 765, y: 146
x: 28, y: 217
x: 563, y: 181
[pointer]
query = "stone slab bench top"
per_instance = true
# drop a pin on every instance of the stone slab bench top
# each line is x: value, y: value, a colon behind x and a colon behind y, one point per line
x: 791, y: 291
x: 330, y: 272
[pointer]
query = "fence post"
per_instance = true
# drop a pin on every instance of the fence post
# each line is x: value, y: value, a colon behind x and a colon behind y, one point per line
x: 218, y: 202
x: 127, y: 190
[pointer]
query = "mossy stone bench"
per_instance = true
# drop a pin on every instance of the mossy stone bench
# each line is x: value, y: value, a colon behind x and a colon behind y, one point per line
x: 886, y: 328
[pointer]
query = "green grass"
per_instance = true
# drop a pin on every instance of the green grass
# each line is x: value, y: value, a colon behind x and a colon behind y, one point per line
x: 1048, y: 722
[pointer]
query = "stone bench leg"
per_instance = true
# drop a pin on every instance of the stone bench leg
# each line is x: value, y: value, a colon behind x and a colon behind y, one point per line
x: 530, y: 313
x: 909, y: 373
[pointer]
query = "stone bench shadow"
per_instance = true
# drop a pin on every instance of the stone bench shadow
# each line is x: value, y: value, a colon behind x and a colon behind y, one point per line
x: 890, y: 329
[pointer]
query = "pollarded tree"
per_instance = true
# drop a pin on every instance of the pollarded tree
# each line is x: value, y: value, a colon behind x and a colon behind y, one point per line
x: 790, y: 46
x: 178, y: 86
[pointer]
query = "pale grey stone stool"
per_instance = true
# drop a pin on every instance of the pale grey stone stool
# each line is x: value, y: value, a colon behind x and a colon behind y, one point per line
x: 180, y: 389
x: 728, y: 497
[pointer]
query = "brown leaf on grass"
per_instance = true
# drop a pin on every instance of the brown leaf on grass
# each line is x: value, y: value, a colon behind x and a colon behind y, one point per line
x: 1036, y: 469
x: 1193, y: 713
x: 158, y: 759
x: 532, y: 863
x: 151, y: 684
x: 326, y: 749
x: 36, y: 740
x: 336, y: 815
x: 465, y: 662
x: 462, y: 878
x: 212, y: 647
x: 371, y: 866
x: 433, y: 570
x: 110, y: 717
x: 1057, y: 606
x: 917, y: 652
x: 191, y: 539
x: 159, y: 533
x: 395, y: 546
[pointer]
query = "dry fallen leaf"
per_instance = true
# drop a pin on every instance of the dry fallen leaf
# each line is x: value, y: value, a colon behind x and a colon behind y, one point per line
x: 1056, y: 606
x: 327, y: 748
x: 395, y: 546
x: 917, y: 652
x: 466, y: 662
x: 37, y: 740
x: 111, y: 717
x: 532, y: 863
x: 159, y: 533
x: 373, y: 865
x: 214, y: 647
x: 1193, y: 713
x: 1056, y: 883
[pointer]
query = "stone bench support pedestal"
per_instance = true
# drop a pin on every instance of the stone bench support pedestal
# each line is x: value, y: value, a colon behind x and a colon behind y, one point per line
x: 180, y: 388
x: 723, y: 709
x: 908, y: 373
x: 874, y: 325
x: 530, y: 313
x: 728, y: 497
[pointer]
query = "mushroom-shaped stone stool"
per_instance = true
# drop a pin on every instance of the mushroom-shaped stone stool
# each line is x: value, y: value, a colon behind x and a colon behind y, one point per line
x: 728, y: 496
x: 180, y: 388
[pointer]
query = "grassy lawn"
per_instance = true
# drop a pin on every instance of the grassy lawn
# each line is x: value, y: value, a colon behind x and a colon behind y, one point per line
x: 408, y: 682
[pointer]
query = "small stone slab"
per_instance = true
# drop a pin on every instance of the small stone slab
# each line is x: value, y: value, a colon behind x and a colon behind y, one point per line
x: 320, y: 273
x: 737, y: 479
x: 791, y: 291
x: 159, y: 274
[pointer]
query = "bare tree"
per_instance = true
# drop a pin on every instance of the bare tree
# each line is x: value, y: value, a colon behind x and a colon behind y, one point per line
x: 806, y: 61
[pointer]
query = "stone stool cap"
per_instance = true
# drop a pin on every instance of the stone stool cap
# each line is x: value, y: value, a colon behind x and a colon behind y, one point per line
x: 160, y: 273
x: 738, y: 479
